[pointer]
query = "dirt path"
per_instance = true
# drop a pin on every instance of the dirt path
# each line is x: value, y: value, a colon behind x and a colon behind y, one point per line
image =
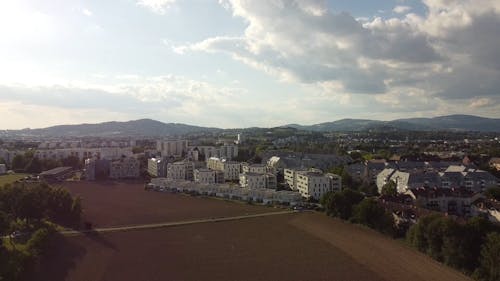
x: 390, y: 259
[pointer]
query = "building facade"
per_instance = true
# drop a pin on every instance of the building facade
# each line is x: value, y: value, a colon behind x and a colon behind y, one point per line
x: 126, y: 168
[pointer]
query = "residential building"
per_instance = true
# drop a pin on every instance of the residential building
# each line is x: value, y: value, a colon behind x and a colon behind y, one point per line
x: 226, y: 151
x: 205, y: 176
x: 453, y: 201
x: 182, y: 170
x: 231, y: 169
x: 315, y: 184
x: 89, y: 169
x: 3, y: 169
x: 254, y: 168
x: 258, y: 180
x: 157, y: 167
x: 127, y: 167
x: 56, y: 174
x: 175, y: 148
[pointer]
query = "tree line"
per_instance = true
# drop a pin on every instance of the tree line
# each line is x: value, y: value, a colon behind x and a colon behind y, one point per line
x: 29, y: 215
x: 472, y: 247
x: 29, y: 163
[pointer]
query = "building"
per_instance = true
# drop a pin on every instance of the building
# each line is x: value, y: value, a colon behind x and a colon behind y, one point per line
x: 255, y: 168
x: 290, y: 176
x: 3, y: 169
x: 226, y: 151
x: 175, y: 148
x: 231, y: 169
x: 125, y: 168
x: 157, y: 167
x: 257, y: 180
x: 447, y: 200
x: 110, y: 153
x: 89, y: 169
x: 205, y: 176
x: 182, y: 170
x: 315, y: 185
x: 56, y: 174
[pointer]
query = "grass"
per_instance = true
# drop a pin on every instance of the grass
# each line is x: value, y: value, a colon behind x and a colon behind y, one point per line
x: 6, y: 179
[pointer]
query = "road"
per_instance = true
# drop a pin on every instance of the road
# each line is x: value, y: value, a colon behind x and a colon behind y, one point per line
x: 171, y: 224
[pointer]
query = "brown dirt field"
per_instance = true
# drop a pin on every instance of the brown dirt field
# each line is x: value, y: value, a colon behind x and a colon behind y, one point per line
x: 254, y: 249
x: 126, y: 203
x: 301, y: 246
x: 390, y: 259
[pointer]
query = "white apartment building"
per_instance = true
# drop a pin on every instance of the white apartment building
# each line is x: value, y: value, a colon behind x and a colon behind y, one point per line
x: 124, y: 168
x: 254, y: 168
x: 225, y: 151
x: 109, y: 153
x: 157, y: 167
x: 255, y: 180
x: 231, y: 169
x: 182, y: 170
x: 174, y: 148
x: 290, y: 176
x: 312, y: 183
x: 205, y: 176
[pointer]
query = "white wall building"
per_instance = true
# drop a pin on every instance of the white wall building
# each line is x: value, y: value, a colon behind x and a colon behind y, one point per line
x: 231, y: 169
x: 174, y: 148
x: 124, y: 168
x: 205, y: 176
x: 157, y: 167
x: 182, y: 170
x: 255, y: 180
x: 314, y: 184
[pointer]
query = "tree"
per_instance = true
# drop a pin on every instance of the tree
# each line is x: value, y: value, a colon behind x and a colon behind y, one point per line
x: 390, y: 189
x: 341, y: 203
x: 18, y: 163
x: 493, y: 193
x: 34, y: 166
x: 371, y: 214
x: 489, y: 267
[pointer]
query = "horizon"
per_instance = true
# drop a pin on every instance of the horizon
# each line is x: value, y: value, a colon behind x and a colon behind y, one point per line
x: 236, y: 64
x: 235, y: 128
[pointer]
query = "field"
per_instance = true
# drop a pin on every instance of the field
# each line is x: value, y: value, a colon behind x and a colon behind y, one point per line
x: 6, y: 179
x: 299, y: 246
x: 116, y: 204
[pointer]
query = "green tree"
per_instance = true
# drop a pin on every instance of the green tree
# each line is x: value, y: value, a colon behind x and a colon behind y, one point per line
x: 493, y: 193
x: 18, y: 163
x: 33, y: 166
x: 371, y: 214
x: 489, y: 267
x: 341, y: 203
x: 390, y: 189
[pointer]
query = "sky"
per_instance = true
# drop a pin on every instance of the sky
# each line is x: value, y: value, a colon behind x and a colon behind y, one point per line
x: 237, y: 63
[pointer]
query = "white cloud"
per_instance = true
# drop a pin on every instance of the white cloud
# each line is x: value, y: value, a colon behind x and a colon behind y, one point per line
x: 401, y: 9
x: 450, y: 53
x: 157, y: 6
x: 87, y: 12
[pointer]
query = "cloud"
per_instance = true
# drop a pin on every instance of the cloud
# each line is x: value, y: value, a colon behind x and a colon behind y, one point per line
x: 157, y: 6
x: 87, y: 12
x: 449, y: 55
x: 303, y: 41
x: 401, y: 9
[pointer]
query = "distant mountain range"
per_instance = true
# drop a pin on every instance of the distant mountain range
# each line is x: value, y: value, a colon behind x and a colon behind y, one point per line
x: 141, y: 127
x: 152, y: 128
x: 441, y: 123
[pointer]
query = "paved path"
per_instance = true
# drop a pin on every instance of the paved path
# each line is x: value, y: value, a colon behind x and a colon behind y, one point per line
x: 171, y: 224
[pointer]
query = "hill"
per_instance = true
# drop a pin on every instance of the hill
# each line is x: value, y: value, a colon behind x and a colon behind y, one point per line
x: 441, y: 123
x: 141, y: 127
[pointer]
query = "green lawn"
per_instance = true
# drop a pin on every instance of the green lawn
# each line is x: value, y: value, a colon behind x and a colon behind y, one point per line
x: 5, y: 179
